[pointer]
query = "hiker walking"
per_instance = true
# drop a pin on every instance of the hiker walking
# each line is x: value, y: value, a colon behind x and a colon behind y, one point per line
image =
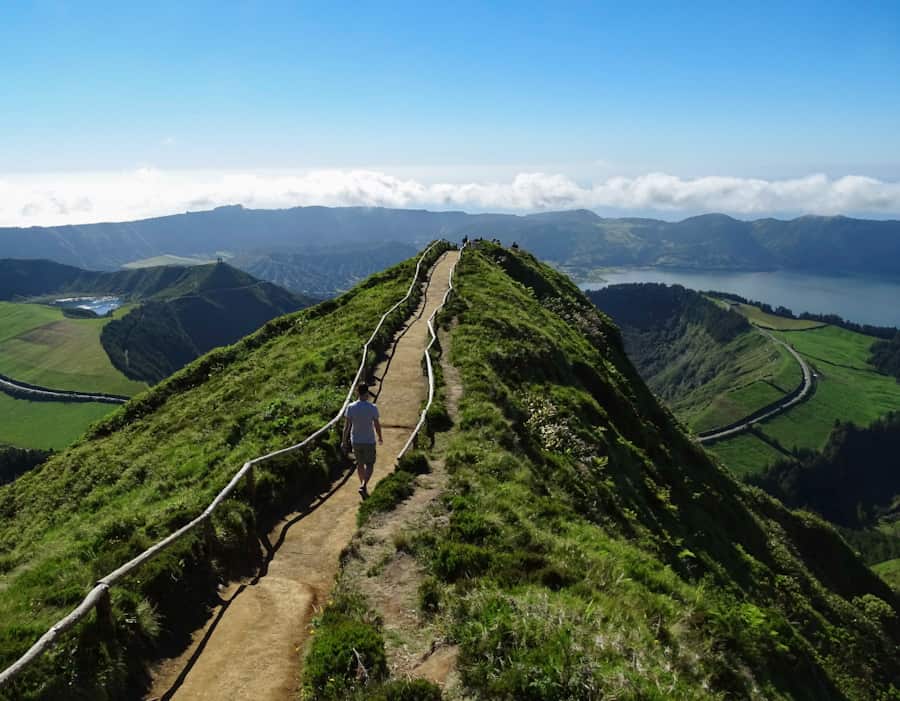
x: 360, y: 426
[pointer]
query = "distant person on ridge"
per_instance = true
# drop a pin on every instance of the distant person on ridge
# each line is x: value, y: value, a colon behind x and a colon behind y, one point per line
x: 360, y: 426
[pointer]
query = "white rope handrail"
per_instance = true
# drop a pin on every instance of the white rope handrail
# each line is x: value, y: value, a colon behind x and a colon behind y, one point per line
x: 99, y: 595
x: 428, y: 363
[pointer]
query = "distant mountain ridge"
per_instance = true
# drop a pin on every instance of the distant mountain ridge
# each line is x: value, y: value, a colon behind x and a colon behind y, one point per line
x: 577, y: 240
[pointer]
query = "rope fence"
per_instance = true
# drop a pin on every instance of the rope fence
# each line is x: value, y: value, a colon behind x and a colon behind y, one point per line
x: 98, y: 598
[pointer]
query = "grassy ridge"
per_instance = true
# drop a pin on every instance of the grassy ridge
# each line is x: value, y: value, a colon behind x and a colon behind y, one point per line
x: 156, y: 463
x: 751, y: 373
x: 592, y: 551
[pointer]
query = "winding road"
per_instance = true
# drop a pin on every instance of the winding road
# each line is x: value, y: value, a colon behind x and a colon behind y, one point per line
x: 790, y: 400
x: 21, y: 390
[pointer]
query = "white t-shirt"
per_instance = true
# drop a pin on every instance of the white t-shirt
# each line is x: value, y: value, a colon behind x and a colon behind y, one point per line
x: 362, y: 416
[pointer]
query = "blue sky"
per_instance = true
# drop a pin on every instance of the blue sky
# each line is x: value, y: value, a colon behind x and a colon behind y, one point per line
x: 451, y: 93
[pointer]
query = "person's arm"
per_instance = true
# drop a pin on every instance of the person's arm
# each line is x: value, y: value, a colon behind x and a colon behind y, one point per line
x: 345, y: 441
x: 378, y: 430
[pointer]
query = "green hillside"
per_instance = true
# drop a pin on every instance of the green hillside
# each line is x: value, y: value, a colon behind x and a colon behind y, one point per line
x: 592, y: 550
x: 587, y: 548
x: 212, y: 306
x: 41, y: 346
x: 705, y: 361
x: 848, y: 388
x: 156, y: 463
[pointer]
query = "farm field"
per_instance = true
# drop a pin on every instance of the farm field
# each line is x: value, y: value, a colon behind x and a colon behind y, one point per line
x: 167, y: 259
x: 848, y: 388
x: 27, y: 424
x: 745, y: 453
x: 889, y: 571
x: 770, y: 321
x: 40, y: 346
x: 763, y: 372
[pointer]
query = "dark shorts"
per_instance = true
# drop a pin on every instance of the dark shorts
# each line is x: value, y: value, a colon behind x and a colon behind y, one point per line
x: 365, y: 453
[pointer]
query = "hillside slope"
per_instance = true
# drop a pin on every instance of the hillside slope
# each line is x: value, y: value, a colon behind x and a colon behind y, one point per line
x: 707, y: 363
x: 209, y: 306
x: 587, y: 548
x: 155, y: 464
x: 591, y: 550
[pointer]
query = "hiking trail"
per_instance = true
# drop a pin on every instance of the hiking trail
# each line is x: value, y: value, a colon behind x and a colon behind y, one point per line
x: 251, y: 648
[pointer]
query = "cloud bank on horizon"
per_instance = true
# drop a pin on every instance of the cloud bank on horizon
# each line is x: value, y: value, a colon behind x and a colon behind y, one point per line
x: 80, y: 198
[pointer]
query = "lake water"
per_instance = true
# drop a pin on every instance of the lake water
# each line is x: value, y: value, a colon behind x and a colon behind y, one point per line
x: 99, y: 305
x: 861, y: 299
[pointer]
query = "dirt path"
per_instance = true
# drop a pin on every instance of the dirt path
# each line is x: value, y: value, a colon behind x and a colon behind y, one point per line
x: 251, y: 647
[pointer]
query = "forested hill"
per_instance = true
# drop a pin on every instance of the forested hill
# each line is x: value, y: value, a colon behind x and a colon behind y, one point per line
x: 39, y: 278
x: 853, y: 481
x: 585, y: 547
x: 886, y: 356
x: 203, y: 308
x: 578, y: 240
x: 182, y: 312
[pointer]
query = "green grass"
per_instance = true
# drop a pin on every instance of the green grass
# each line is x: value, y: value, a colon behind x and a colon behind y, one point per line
x: 156, y: 463
x: 889, y: 571
x: 40, y: 346
x: 770, y: 321
x: 55, y: 425
x: 741, y: 377
x: 848, y: 388
x: 167, y: 259
x: 745, y: 453
x: 592, y: 551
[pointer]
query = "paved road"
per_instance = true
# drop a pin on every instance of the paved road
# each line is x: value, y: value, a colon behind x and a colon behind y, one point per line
x: 57, y: 395
x: 783, y: 406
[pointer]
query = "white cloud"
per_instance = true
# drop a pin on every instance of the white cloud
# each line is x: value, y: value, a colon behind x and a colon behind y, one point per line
x: 74, y: 198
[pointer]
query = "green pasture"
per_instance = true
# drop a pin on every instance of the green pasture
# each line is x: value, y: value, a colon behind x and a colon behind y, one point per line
x: 41, y: 346
x: 745, y: 453
x: 748, y: 373
x: 167, y: 259
x: 848, y: 388
x: 889, y: 571
x: 769, y: 321
x: 27, y: 424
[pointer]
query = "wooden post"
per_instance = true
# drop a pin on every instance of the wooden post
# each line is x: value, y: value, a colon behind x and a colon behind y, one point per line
x: 209, y: 534
x: 251, y: 484
x: 105, y: 619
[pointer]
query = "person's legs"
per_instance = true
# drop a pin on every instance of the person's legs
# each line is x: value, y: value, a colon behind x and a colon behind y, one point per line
x: 368, y: 472
x: 361, y: 473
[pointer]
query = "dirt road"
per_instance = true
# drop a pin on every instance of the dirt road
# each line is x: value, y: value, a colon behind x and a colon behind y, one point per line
x: 251, y: 647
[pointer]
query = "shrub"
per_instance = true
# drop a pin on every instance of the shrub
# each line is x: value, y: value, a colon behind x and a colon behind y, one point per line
x: 455, y: 560
x: 332, y: 665
x: 407, y: 690
x: 390, y: 491
x: 429, y: 596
